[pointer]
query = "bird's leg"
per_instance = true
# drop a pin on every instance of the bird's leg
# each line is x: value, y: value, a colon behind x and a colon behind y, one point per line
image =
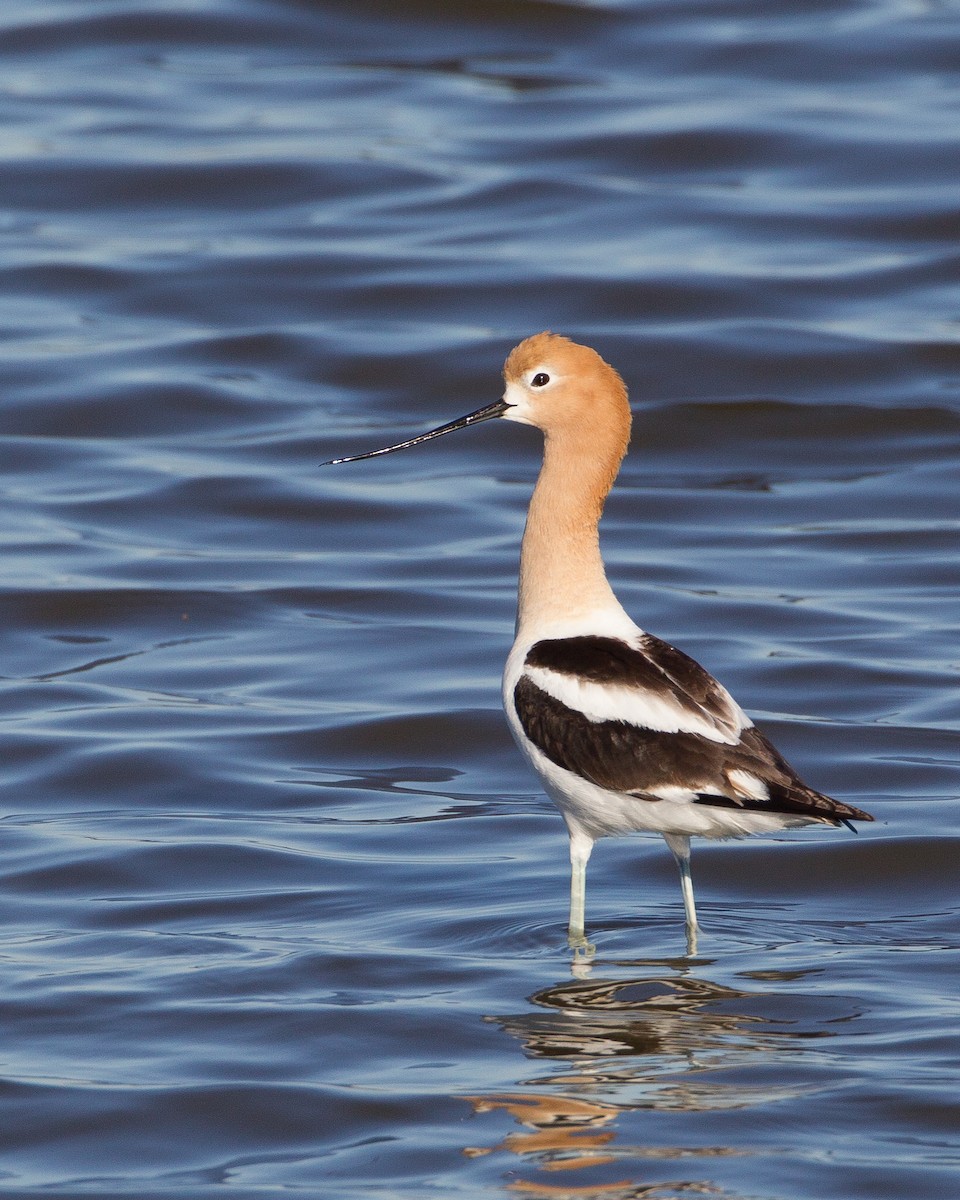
x: 580, y: 848
x: 680, y: 848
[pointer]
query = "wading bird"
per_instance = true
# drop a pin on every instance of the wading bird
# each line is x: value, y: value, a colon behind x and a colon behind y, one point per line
x: 626, y: 732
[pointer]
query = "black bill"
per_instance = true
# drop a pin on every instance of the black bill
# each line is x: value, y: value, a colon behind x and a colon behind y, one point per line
x: 496, y: 409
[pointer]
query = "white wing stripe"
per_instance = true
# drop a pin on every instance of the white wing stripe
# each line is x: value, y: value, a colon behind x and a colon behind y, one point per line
x: 748, y: 785
x: 636, y: 706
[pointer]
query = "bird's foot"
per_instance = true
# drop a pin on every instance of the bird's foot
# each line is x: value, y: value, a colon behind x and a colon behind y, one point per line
x: 579, y: 945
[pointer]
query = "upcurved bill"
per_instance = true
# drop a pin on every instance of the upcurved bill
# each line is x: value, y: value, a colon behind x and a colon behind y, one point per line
x: 497, y: 409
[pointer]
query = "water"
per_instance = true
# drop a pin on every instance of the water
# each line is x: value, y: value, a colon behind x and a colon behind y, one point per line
x: 283, y: 911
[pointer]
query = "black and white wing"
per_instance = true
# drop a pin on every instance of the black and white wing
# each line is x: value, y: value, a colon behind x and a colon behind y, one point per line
x: 645, y: 719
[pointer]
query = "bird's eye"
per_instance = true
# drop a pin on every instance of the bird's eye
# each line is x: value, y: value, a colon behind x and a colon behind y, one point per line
x: 541, y: 379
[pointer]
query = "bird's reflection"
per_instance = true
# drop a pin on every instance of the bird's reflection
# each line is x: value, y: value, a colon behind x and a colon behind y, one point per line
x: 662, y: 1016
x: 559, y: 1125
x: 659, y: 1040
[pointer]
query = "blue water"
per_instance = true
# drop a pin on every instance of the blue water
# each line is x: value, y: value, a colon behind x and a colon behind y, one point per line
x: 283, y: 912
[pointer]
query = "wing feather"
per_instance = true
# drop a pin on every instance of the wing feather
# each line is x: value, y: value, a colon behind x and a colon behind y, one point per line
x: 648, y: 683
x: 653, y: 764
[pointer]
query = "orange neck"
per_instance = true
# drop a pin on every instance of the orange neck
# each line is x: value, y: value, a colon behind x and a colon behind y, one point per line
x: 562, y: 576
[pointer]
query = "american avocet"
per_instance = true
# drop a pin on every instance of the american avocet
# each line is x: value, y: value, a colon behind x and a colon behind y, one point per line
x: 626, y: 732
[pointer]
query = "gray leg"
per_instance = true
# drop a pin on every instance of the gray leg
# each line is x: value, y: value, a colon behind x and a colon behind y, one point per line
x: 580, y: 848
x: 680, y: 848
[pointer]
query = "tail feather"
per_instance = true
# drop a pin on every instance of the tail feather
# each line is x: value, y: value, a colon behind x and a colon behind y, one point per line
x: 795, y: 799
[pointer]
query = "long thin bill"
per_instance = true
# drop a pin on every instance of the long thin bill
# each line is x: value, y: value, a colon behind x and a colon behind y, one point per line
x: 482, y: 414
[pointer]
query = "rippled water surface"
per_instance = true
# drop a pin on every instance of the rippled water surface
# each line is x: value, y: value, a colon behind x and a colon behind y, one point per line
x: 283, y: 912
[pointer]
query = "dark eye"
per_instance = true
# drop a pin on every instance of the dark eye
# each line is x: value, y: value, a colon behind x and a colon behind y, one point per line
x: 541, y: 379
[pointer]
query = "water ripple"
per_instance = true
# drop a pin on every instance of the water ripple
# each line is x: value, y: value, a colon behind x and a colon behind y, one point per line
x: 282, y: 906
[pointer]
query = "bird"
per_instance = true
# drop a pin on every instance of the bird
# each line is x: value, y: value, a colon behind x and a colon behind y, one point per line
x: 626, y: 732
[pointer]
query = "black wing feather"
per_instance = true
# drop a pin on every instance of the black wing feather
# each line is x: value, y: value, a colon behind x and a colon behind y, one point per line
x: 652, y: 666
x: 625, y: 758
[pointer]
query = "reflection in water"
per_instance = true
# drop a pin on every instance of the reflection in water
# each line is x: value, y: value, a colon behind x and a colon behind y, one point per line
x: 564, y: 1129
x: 635, y: 1048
